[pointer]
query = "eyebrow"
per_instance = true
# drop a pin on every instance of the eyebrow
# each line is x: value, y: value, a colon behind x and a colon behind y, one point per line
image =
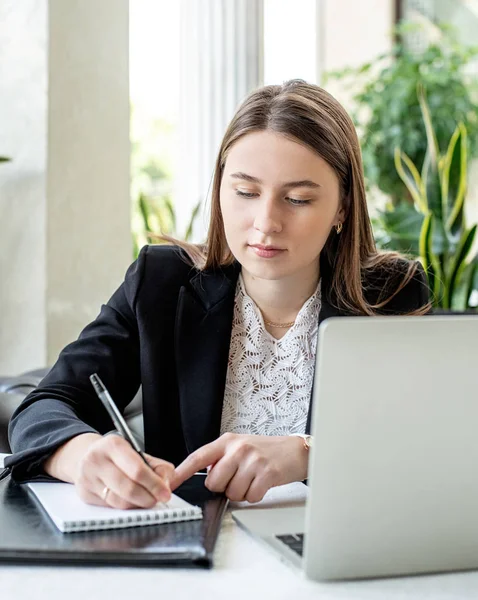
x: 290, y: 184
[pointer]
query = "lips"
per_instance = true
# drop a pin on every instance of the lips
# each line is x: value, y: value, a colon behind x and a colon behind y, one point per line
x: 261, y: 247
x: 266, y: 251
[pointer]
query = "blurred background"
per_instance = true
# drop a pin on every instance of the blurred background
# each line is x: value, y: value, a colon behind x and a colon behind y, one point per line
x: 111, y: 115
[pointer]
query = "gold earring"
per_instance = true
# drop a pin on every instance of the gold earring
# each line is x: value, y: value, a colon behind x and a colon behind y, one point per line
x: 338, y: 227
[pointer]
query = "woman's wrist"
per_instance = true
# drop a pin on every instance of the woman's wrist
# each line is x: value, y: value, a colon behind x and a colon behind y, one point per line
x: 63, y: 464
x: 307, y: 439
x: 302, y: 450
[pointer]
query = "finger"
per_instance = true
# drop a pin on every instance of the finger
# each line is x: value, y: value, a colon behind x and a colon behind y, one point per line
x: 123, y: 488
x: 197, y: 460
x: 257, y: 490
x: 135, y: 469
x: 115, y: 501
x: 221, y: 474
x: 91, y: 498
x: 93, y: 493
x: 163, y: 468
x: 239, y: 485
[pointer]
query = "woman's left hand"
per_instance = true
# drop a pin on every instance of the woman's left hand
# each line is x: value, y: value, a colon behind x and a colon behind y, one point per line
x: 246, y: 466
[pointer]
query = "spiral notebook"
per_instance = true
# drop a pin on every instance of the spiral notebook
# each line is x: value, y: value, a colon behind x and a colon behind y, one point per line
x: 70, y: 514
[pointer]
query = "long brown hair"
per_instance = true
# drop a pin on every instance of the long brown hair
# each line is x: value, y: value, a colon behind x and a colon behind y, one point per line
x: 309, y: 115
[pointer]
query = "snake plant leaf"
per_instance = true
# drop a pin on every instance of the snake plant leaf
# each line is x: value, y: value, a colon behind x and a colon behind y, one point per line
x: 135, y: 245
x: 458, y: 154
x: 446, y: 247
x: 411, y: 178
x: 458, y: 264
x: 424, y: 173
x: 430, y: 261
x: 169, y: 208
x: 155, y: 220
x: 194, y: 214
x: 441, y: 244
x: 163, y: 216
x: 445, y: 164
x: 471, y: 283
x: 401, y: 226
x: 144, y: 211
x: 432, y: 143
x: 431, y: 186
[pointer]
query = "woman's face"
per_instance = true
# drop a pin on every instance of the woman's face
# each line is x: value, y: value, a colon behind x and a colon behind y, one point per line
x: 279, y: 202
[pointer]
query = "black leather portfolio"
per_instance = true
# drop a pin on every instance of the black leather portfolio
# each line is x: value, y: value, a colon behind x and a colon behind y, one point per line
x: 27, y: 535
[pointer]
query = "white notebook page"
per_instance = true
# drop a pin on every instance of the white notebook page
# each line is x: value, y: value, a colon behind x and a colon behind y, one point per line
x: 69, y: 513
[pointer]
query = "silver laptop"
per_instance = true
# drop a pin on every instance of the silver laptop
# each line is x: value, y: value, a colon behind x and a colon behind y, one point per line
x: 393, y: 474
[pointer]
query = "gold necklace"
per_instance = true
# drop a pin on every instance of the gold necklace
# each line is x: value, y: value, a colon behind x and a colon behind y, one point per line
x: 279, y: 325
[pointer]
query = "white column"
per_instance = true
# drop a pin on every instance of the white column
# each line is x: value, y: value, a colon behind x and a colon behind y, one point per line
x: 221, y: 62
x: 88, y: 226
x: 23, y: 108
x: 64, y: 199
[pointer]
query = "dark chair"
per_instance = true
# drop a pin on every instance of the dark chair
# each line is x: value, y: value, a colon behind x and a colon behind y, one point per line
x: 14, y: 389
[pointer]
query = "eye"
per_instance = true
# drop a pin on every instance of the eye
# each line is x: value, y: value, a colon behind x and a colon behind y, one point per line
x: 293, y: 201
x: 245, y: 194
x: 297, y: 202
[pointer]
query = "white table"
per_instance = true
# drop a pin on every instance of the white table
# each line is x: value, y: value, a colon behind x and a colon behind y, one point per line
x: 244, y: 569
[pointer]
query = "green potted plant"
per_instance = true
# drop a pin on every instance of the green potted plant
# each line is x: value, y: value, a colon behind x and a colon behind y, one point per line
x: 153, y: 211
x: 388, y: 114
x: 446, y: 242
x: 158, y: 219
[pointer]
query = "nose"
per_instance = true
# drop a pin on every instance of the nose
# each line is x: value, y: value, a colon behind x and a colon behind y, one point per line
x: 267, y: 218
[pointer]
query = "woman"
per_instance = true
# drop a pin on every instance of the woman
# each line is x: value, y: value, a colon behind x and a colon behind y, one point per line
x: 223, y: 337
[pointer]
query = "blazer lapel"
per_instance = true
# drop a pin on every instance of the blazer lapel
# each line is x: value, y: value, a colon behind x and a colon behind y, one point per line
x: 202, y: 338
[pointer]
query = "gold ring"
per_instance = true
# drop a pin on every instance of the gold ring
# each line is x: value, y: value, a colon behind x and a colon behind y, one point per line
x: 105, y: 492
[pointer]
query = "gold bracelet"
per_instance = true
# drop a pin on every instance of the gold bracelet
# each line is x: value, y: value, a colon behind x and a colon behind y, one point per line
x: 306, y: 438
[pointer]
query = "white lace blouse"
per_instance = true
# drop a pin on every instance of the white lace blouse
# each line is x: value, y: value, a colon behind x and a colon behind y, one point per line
x: 269, y: 380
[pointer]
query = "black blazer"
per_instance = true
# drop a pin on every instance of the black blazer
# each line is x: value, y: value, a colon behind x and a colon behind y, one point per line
x: 167, y: 327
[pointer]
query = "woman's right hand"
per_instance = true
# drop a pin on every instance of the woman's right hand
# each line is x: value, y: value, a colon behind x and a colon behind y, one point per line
x: 95, y: 463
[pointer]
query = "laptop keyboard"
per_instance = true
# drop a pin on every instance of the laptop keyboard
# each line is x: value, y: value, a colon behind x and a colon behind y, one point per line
x: 294, y: 541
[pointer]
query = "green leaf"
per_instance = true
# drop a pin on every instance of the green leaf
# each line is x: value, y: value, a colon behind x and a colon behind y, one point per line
x: 426, y: 166
x: 4, y: 159
x: 135, y: 247
x: 471, y: 283
x: 457, y: 208
x: 458, y: 264
x: 410, y: 177
x: 399, y: 228
x: 430, y: 261
x: 365, y: 68
x: 194, y: 214
x: 163, y: 217
x: 444, y: 166
x: 432, y: 183
x: 171, y: 212
x: 388, y: 110
x: 431, y: 187
x: 144, y: 211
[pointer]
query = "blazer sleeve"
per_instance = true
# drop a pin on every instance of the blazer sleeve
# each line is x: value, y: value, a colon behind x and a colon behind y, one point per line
x: 64, y: 405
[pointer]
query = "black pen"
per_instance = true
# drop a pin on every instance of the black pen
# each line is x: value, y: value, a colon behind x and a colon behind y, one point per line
x: 114, y: 413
